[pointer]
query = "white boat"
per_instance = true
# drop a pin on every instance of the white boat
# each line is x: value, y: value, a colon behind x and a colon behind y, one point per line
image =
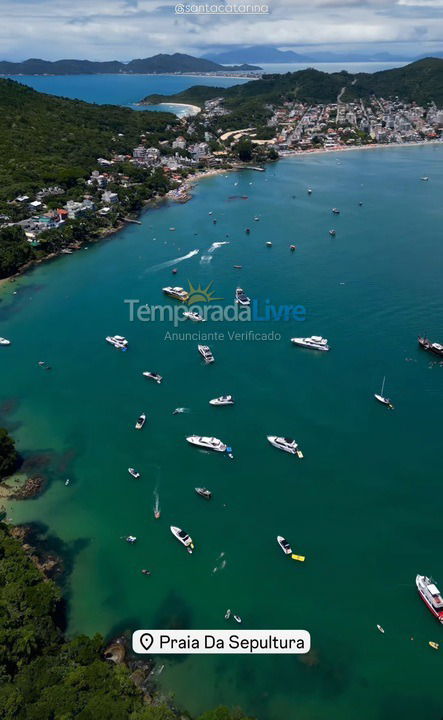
x: 383, y: 400
x: 424, y: 178
x: 285, y: 444
x: 208, y: 443
x: 335, y: 211
x: 315, y: 342
x: 206, y: 352
x: 237, y: 618
x: 222, y: 400
x: 153, y: 375
x: 379, y: 627
x: 194, y: 316
x: 309, y: 191
x: 133, y: 472
x: 285, y: 546
x: 228, y: 614
x: 178, y: 293
x: 140, y: 422
x: 269, y: 244
x: 131, y: 539
x: 241, y: 298
x: 118, y: 341
x: 4, y: 341
x: 183, y: 537
x: 431, y: 596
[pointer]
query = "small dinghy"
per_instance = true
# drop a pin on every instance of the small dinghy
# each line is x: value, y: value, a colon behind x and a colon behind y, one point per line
x: 140, y: 422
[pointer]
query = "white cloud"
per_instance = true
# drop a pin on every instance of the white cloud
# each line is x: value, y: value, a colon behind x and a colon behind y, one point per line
x: 123, y: 29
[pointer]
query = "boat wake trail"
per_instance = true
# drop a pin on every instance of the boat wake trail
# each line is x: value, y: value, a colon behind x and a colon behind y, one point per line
x: 217, y: 245
x: 205, y: 259
x: 170, y: 263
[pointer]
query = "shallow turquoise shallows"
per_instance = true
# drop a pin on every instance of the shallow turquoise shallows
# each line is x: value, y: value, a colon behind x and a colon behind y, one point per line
x: 363, y: 505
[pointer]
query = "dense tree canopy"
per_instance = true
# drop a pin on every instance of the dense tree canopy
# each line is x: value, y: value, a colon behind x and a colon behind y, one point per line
x: 8, y: 454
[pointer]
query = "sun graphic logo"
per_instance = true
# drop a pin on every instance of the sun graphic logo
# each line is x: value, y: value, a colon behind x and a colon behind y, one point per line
x: 200, y: 294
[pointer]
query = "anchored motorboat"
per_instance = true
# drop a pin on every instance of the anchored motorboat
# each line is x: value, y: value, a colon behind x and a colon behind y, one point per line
x: 153, y: 376
x: 194, y: 316
x: 206, y: 352
x: 133, y: 472
x: 208, y: 443
x: 4, y: 341
x: 285, y: 444
x: 118, y: 341
x: 285, y: 546
x: 335, y: 211
x: 183, y: 537
x: 140, y: 422
x: 315, y: 342
x: 177, y: 293
x: 241, y: 298
x: 426, y: 344
x: 332, y: 233
x: 223, y: 400
x: 431, y: 596
x: 131, y: 539
x: 204, y: 493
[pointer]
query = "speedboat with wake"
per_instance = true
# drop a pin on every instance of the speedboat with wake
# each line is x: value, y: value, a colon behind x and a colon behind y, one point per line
x: 140, y: 422
x: 431, y: 596
x: 194, y: 316
x: 206, y: 352
x: 207, y: 443
x: 204, y: 493
x: 153, y: 376
x: 183, y: 537
x: 222, y: 400
x: 315, y: 342
x: 383, y: 400
x: 285, y: 546
x: 4, y: 341
x: 134, y: 473
x: 285, y: 444
x: 241, y: 298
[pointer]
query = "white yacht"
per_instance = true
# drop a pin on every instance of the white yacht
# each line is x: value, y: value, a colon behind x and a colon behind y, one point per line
x: 285, y: 444
x: 153, y: 376
x: 241, y: 298
x: 315, y: 342
x: 431, y: 596
x: 140, y: 422
x: 134, y: 473
x: 183, y: 537
x: 178, y: 293
x: 222, y: 400
x: 194, y: 316
x: 285, y: 546
x: 208, y: 443
x: 4, y: 341
x: 206, y: 352
x: 118, y: 341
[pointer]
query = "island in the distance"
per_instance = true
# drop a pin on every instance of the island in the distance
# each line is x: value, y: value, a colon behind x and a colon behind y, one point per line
x: 160, y: 64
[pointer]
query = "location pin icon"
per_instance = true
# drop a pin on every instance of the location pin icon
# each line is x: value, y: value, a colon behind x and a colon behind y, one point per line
x: 146, y: 640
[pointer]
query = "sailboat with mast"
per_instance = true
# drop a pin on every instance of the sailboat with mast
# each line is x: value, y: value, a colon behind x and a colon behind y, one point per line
x: 382, y: 399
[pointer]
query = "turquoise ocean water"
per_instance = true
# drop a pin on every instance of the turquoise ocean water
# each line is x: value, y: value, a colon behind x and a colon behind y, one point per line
x: 363, y: 505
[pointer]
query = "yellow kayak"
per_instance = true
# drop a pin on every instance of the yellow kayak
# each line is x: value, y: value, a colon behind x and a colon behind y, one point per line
x: 301, y: 558
x: 434, y: 645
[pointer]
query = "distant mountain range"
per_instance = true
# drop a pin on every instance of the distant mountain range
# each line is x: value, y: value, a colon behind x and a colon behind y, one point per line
x: 178, y: 62
x: 269, y: 54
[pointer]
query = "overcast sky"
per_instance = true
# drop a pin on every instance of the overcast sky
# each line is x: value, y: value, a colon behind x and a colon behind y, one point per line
x: 126, y: 29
